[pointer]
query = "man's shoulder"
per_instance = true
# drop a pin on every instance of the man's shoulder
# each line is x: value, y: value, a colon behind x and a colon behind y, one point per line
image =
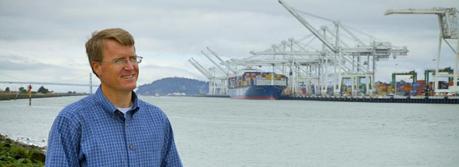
x: 152, y: 109
x: 149, y: 107
x: 74, y: 109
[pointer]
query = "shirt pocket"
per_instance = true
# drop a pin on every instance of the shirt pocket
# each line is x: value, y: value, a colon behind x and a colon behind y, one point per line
x: 151, y: 141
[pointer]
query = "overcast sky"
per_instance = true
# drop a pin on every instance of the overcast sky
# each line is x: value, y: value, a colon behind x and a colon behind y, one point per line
x: 44, y: 40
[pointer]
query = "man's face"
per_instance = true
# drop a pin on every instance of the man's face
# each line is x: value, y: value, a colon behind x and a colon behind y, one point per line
x: 117, y: 77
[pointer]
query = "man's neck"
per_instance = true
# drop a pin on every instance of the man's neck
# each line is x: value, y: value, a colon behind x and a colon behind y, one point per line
x: 118, y: 98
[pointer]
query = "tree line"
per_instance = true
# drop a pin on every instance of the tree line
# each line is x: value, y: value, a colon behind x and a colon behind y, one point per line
x: 22, y: 89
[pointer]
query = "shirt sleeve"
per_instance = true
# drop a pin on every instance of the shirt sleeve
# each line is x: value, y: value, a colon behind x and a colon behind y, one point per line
x: 63, y: 143
x: 171, y: 157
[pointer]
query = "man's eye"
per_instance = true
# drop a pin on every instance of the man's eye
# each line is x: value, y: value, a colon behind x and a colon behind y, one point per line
x: 118, y: 61
x: 133, y: 59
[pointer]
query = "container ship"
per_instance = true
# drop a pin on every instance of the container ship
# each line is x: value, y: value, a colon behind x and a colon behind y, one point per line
x: 257, y: 85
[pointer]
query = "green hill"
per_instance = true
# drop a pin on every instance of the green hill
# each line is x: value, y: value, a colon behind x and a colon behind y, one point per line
x: 175, y: 85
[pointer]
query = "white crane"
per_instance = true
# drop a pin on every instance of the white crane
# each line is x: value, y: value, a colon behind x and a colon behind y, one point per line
x: 200, y: 68
x: 225, y: 72
x: 204, y: 72
x: 348, y: 56
x: 228, y: 67
x: 449, y: 29
x: 217, y: 85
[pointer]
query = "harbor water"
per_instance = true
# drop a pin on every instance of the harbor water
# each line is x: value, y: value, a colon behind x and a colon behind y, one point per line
x: 223, y: 132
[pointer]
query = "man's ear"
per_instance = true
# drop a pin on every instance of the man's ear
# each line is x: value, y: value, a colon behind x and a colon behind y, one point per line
x: 96, y: 67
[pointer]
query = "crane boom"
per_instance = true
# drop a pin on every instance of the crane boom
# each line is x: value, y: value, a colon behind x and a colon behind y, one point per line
x: 308, y: 26
x: 441, y: 11
x: 447, y: 19
x: 353, y: 36
x: 200, y: 68
x: 213, y: 62
x: 221, y: 60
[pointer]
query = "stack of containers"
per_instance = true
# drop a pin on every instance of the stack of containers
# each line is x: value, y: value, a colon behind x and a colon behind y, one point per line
x: 419, y: 87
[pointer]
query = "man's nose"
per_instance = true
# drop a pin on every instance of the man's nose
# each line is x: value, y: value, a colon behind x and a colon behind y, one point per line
x: 129, y: 65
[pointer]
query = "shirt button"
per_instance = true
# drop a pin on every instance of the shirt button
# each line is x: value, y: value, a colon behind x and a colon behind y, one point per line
x: 131, y: 147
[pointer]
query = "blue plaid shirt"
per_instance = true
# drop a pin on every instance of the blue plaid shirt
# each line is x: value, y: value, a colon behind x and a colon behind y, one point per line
x: 92, y: 132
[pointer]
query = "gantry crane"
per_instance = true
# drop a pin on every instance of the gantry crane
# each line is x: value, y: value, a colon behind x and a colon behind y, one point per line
x: 228, y: 67
x: 217, y: 85
x: 341, y: 52
x: 413, y: 74
x: 449, y: 29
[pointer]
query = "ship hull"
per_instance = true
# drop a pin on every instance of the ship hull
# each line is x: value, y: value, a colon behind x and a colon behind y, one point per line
x: 270, y: 92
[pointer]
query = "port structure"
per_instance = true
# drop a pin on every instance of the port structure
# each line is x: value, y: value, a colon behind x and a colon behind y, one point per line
x: 313, y: 69
x: 322, y: 70
x: 449, y: 30
x: 217, y: 75
x: 413, y: 75
x: 340, y: 58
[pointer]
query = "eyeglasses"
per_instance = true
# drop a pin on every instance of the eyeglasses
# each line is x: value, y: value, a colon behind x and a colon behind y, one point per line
x: 124, y: 61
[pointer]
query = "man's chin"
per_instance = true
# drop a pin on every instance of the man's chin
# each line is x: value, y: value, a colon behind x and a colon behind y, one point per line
x: 129, y: 86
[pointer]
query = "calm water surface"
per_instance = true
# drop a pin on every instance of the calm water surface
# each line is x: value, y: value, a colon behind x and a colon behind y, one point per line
x: 228, y: 132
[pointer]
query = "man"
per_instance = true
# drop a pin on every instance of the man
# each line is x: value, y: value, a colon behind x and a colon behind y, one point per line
x: 112, y: 127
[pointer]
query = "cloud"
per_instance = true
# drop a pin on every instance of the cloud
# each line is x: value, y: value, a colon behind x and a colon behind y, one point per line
x: 150, y: 73
x: 14, y: 65
x: 47, y: 37
x: 20, y: 69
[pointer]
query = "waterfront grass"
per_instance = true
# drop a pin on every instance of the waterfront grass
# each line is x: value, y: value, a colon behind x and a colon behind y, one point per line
x: 13, y: 95
x: 15, y: 154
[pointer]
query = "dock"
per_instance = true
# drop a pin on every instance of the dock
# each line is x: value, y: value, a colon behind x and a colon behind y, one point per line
x: 384, y: 99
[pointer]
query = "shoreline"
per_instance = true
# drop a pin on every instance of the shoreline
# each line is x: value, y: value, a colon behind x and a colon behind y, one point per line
x: 14, y: 96
x: 15, y: 153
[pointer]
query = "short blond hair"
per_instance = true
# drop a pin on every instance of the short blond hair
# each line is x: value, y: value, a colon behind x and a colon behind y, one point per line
x: 95, y: 45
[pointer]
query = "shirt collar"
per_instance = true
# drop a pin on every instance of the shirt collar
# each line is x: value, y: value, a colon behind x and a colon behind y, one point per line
x: 107, y: 106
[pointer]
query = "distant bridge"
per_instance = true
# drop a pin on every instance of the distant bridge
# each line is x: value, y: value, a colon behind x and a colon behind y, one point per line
x: 90, y: 85
x: 46, y: 83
